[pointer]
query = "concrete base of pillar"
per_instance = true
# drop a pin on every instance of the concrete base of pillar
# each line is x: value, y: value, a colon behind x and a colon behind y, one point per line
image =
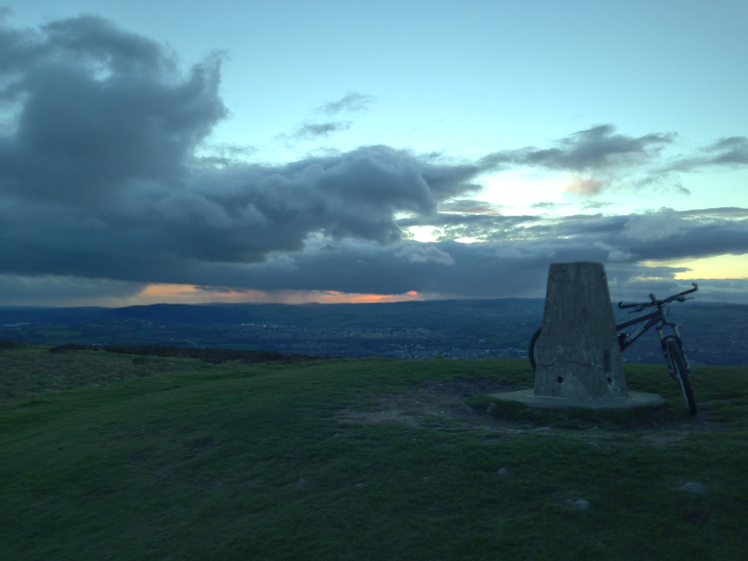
x: 632, y: 400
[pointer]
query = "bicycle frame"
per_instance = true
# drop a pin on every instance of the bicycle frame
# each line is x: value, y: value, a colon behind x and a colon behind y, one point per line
x: 658, y: 319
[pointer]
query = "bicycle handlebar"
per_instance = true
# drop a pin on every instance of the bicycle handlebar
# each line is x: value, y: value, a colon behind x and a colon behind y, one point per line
x: 680, y: 297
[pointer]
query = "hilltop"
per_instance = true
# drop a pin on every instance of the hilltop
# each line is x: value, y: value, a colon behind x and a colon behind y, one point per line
x: 174, y: 457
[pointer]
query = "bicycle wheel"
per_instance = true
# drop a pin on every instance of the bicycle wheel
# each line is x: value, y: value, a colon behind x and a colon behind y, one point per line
x: 531, y: 353
x: 682, y: 373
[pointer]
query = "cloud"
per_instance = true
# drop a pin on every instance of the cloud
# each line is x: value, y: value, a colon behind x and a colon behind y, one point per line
x: 516, y: 267
x: 312, y: 131
x: 224, y: 154
x: 595, y: 149
x: 654, y: 226
x: 99, y: 177
x: 416, y: 253
x: 107, y: 184
x: 717, y: 213
x: 580, y: 186
x: 51, y: 290
x: 596, y: 204
x: 595, y: 157
x: 614, y: 255
x: 152, y: 231
x: 352, y: 102
x: 547, y: 205
x: 101, y: 110
x: 482, y: 227
x: 664, y: 234
x: 513, y: 263
x: 471, y: 206
x: 731, y: 152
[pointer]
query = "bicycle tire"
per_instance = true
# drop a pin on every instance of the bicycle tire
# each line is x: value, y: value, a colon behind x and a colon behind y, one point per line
x: 682, y: 373
x: 531, y: 350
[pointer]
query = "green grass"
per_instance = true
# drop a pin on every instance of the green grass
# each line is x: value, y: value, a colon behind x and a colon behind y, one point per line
x: 101, y: 458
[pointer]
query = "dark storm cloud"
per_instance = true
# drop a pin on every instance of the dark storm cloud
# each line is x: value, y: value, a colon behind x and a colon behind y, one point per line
x: 98, y: 176
x: 51, y: 290
x: 704, y: 240
x: 99, y: 111
x: 240, y: 214
x: 353, y: 102
x: 443, y: 268
x: 594, y: 149
x: 661, y: 235
x: 514, y: 266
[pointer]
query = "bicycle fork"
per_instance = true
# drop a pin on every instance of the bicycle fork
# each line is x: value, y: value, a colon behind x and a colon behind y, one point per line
x: 668, y: 359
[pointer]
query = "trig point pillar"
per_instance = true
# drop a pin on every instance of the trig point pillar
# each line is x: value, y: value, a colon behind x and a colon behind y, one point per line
x: 579, y: 360
x: 578, y: 354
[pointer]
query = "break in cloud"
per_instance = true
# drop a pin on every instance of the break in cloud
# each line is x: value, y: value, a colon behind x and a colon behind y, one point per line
x: 101, y: 191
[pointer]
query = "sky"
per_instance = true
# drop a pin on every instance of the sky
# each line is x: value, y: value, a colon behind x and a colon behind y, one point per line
x: 339, y: 151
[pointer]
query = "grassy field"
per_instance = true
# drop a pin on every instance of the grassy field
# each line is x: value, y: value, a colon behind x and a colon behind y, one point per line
x: 118, y: 457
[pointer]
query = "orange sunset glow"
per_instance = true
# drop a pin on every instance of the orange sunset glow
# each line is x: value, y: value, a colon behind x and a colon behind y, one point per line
x: 191, y: 294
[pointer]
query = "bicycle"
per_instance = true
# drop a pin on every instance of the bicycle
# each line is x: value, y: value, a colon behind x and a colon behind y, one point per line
x: 672, y: 345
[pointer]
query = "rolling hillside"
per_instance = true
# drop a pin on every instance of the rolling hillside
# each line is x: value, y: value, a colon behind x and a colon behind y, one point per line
x: 115, y: 456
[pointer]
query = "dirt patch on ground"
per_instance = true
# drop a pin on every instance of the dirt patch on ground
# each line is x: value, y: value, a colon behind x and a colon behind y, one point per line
x: 441, y: 406
x: 437, y: 405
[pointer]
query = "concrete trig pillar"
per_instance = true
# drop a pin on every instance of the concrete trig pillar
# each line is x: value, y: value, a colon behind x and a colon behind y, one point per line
x: 578, y: 355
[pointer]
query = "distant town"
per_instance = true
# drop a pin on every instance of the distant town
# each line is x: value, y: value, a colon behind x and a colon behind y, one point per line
x: 714, y: 334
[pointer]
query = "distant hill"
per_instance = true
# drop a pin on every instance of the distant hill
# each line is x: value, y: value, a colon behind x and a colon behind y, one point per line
x: 714, y: 333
